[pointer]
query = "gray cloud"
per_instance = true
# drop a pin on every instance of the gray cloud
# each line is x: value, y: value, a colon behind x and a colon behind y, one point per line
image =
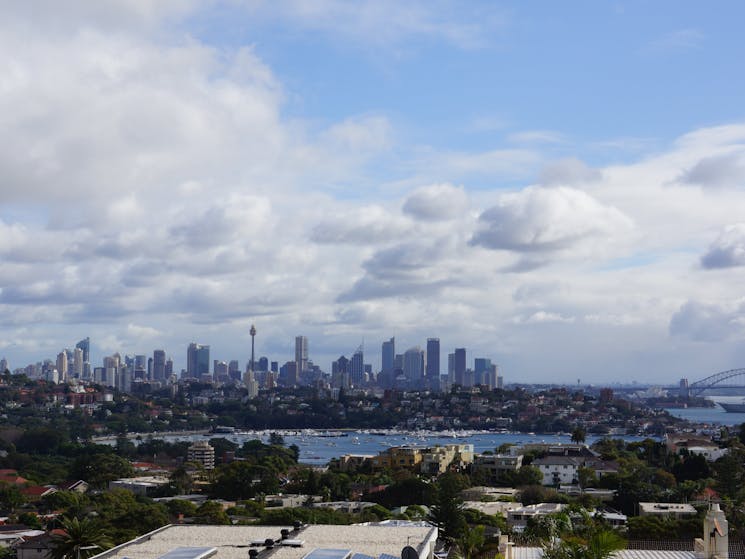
x: 718, y: 171
x: 704, y: 322
x: 728, y: 251
x: 547, y: 220
x: 407, y: 269
x: 364, y: 226
x: 437, y: 202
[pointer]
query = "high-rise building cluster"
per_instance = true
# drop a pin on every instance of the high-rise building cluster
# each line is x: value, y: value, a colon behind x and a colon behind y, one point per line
x: 413, y: 369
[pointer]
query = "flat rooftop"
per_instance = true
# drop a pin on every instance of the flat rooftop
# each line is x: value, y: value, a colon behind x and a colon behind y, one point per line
x: 233, y: 542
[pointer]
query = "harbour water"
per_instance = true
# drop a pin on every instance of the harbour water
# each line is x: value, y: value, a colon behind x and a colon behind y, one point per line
x: 712, y: 416
x: 318, y: 447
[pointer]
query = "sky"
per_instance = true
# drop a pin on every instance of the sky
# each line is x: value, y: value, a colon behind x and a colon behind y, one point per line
x: 559, y: 186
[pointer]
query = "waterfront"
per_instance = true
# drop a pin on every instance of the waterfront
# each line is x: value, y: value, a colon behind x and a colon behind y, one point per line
x: 318, y: 447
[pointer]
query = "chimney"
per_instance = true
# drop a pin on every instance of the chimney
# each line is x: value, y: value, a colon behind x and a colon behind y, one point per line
x: 716, y: 534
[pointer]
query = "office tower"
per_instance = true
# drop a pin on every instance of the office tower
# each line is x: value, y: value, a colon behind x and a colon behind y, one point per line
x: 459, y: 365
x: 169, y: 368
x: 159, y: 364
x: 234, y: 370
x: 263, y: 364
x: 340, y: 373
x: 197, y: 360
x: 451, y: 368
x: 301, y: 353
x: 414, y: 366
x: 274, y: 366
x: 77, y: 363
x: 388, y: 356
x: 481, y: 368
x: 85, y: 346
x: 288, y: 374
x: 357, y: 368
x: 140, y: 362
x: 62, y: 366
x: 111, y: 366
x: 398, y: 362
x: 139, y: 367
x: 433, y: 359
x: 4, y: 365
x: 220, y: 370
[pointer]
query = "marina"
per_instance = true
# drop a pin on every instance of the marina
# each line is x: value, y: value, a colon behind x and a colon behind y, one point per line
x: 318, y: 447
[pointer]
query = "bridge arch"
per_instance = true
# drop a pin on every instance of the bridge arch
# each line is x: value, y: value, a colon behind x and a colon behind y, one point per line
x: 696, y: 388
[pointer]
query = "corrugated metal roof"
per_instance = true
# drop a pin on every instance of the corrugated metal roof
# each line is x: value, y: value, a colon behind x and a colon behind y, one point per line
x: 537, y: 553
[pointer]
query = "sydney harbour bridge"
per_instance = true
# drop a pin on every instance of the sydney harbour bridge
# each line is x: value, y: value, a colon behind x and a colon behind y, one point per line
x: 731, y: 380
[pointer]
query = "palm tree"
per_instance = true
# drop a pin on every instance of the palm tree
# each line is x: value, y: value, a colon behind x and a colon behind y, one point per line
x: 578, y: 435
x: 471, y: 541
x: 600, y: 545
x: 81, y: 539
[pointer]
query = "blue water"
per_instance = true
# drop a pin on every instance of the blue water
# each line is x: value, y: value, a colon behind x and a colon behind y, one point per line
x: 711, y: 416
x: 318, y: 449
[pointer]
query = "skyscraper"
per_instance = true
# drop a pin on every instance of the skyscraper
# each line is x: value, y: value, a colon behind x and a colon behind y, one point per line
x: 357, y: 368
x: 481, y: 368
x: 433, y: 359
x: 62, y: 366
x: 197, y: 360
x: 340, y: 373
x: 85, y: 345
x: 234, y: 370
x: 388, y: 355
x: 77, y: 362
x: 414, y: 366
x: 459, y: 365
x: 301, y: 353
x: 159, y: 364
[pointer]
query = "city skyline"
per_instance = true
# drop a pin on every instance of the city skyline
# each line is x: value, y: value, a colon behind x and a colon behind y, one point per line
x: 200, y: 361
x: 560, y: 188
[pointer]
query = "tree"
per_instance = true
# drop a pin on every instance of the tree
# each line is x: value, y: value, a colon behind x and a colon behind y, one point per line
x: 729, y: 472
x: 599, y: 545
x: 30, y: 519
x: 471, y: 541
x: 211, y: 512
x: 81, y: 539
x: 10, y: 496
x: 578, y: 435
x: 528, y: 475
x: 100, y: 468
x: 585, y: 476
x: 447, y: 510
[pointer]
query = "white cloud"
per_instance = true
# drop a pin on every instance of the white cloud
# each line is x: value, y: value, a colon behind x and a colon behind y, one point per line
x: 544, y: 317
x: 387, y: 24
x: 678, y: 40
x: 536, y: 137
x: 569, y: 172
